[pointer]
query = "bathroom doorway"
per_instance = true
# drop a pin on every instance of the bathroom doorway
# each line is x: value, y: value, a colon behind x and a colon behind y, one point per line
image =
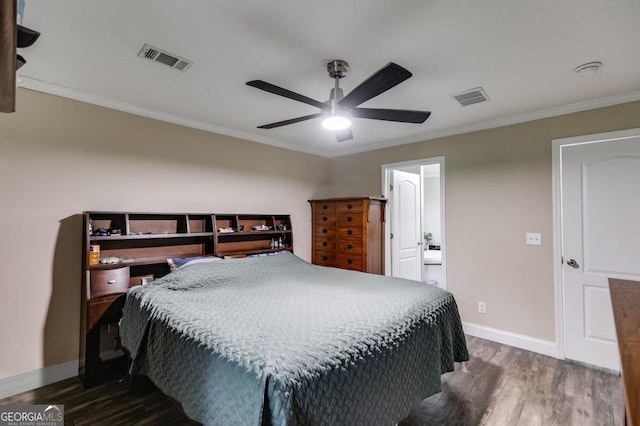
x: 415, y: 228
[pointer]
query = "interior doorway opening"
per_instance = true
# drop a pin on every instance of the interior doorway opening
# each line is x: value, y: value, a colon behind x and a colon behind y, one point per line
x: 415, y: 228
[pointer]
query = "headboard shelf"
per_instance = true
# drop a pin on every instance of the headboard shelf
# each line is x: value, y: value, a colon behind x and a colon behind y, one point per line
x: 131, y: 262
x: 244, y: 234
x: 150, y: 236
x: 243, y: 253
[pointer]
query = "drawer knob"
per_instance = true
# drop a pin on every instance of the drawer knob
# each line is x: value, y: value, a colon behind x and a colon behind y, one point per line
x: 324, y: 207
x: 349, y: 206
x: 111, y: 282
x: 349, y: 232
x: 349, y: 219
x: 324, y: 257
x: 324, y: 218
x: 324, y: 231
x: 349, y: 261
x: 324, y: 244
x: 349, y: 246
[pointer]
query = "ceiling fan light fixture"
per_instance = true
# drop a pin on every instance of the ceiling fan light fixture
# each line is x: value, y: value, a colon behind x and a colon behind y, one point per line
x: 336, y: 122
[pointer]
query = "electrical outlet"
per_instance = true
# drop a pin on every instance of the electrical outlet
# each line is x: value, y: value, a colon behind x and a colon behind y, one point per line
x: 533, y: 239
x: 482, y: 307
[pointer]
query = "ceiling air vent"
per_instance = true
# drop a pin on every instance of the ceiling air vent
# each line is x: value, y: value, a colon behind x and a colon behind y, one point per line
x: 158, y: 55
x: 471, y: 96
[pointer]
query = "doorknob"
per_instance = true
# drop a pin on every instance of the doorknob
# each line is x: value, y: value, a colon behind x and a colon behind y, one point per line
x: 573, y: 264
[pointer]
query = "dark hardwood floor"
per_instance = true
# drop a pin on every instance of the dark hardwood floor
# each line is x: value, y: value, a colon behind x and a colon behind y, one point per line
x: 505, y: 386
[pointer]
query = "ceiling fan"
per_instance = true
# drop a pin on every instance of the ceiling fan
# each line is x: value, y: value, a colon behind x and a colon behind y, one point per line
x: 339, y: 109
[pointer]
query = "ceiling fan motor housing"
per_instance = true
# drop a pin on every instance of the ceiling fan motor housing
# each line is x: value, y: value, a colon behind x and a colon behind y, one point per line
x: 337, y: 68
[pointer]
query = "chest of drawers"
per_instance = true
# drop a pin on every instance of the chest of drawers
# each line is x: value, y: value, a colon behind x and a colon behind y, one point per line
x: 348, y: 233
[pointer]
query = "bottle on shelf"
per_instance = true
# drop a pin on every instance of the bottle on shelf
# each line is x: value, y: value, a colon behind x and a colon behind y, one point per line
x: 94, y: 254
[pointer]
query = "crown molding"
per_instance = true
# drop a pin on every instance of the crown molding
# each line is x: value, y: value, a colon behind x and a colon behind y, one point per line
x: 53, y: 89
x: 500, y: 122
x: 65, y: 92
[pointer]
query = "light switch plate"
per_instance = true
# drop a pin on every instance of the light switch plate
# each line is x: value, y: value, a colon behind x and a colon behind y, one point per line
x: 533, y: 239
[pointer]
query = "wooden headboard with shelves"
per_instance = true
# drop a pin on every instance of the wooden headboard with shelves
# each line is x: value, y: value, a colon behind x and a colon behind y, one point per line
x: 125, y: 249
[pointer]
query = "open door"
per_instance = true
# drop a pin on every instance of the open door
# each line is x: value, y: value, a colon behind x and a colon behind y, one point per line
x: 406, y: 241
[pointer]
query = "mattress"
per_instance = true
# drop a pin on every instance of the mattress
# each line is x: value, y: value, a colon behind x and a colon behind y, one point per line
x: 277, y: 341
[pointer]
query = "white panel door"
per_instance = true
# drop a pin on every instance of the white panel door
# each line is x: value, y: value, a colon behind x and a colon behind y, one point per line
x: 600, y: 239
x: 406, y: 249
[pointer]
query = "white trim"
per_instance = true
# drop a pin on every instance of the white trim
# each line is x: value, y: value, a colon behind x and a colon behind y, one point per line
x: 443, y: 223
x: 43, y: 86
x: 387, y: 225
x: 500, y: 122
x: 533, y: 344
x: 556, y: 181
x: 386, y: 169
x: 556, y: 165
x: 37, y: 378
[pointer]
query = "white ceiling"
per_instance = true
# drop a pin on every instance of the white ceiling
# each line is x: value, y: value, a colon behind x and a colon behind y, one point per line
x: 521, y: 52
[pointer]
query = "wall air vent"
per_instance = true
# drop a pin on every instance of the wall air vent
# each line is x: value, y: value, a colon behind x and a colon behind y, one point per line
x: 471, y: 96
x: 162, y: 56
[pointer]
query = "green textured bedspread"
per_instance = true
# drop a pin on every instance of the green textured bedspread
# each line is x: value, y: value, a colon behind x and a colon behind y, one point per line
x: 277, y: 341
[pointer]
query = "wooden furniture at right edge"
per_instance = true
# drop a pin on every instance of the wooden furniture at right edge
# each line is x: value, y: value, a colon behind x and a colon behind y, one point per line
x: 625, y: 298
x: 348, y: 233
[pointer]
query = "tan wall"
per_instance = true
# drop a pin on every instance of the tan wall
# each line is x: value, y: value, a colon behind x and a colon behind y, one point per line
x: 497, y: 188
x: 60, y: 157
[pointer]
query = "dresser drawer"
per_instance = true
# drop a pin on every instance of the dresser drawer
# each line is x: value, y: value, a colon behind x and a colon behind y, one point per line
x: 324, y: 219
x: 350, y: 232
x: 347, y: 261
x: 324, y: 206
x: 109, y: 281
x: 349, y: 219
x: 324, y: 258
x: 349, y: 206
x: 324, y: 243
x: 324, y: 232
x: 353, y: 247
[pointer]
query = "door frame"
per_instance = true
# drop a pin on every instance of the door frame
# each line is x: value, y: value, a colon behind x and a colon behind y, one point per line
x: 556, y: 162
x: 386, y: 171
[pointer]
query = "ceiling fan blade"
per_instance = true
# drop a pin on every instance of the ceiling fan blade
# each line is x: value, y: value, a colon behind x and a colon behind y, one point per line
x: 344, y: 135
x: 386, y: 78
x: 401, y: 115
x: 290, y: 121
x: 271, y: 88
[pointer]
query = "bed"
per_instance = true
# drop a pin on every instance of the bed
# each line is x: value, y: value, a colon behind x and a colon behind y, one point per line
x: 275, y: 340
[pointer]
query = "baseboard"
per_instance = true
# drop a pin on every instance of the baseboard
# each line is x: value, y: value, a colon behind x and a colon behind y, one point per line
x: 37, y: 378
x: 544, y: 347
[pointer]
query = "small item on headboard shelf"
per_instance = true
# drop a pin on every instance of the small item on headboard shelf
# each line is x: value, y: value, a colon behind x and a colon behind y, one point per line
x: 94, y: 254
x: 110, y: 260
x: 225, y: 230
